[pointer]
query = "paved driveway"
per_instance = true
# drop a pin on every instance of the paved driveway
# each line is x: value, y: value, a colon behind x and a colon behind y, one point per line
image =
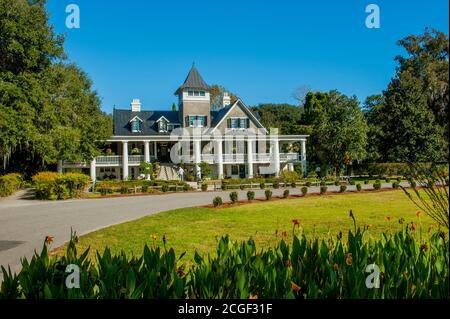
x: 24, y: 223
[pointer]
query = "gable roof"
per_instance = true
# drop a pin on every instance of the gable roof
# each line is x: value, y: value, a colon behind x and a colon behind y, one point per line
x: 223, y: 113
x: 193, y: 81
x: 121, y: 120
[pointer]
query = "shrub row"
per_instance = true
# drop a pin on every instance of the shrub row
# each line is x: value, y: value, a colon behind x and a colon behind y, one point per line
x: 143, y: 186
x: 51, y: 185
x: 299, y: 268
x: 10, y: 183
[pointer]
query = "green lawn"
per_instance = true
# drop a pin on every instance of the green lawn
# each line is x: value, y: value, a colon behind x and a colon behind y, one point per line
x: 198, y: 228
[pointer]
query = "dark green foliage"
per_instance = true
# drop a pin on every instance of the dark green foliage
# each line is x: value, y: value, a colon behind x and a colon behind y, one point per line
x: 352, y: 182
x: 268, y: 194
x: 376, y: 186
x: 293, y: 185
x: 342, y: 188
x: 304, y: 268
x: 217, y: 201
x: 204, y: 187
x: 308, y: 184
x: 323, y: 189
x: 395, y: 185
x: 276, y: 184
x: 250, y: 195
x: 304, y: 190
x: 358, y: 187
x: 242, y: 187
x: 48, y: 108
x: 262, y: 185
x: 286, y: 193
x: 336, y: 183
x: 165, y: 188
x: 366, y: 182
x: 234, y: 197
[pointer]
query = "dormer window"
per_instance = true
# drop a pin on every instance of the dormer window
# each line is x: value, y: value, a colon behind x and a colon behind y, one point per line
x: 136, y: 125
x: 163, y: 124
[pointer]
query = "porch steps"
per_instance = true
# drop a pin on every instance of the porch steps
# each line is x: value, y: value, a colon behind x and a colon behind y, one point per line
x: 168, y: 173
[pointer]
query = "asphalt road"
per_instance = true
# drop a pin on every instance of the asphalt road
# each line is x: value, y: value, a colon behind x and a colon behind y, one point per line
x: 24, y: 223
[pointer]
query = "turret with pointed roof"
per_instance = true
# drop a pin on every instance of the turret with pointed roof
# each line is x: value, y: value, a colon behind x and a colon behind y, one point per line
x: 193, y: 81
x: 193, y: 99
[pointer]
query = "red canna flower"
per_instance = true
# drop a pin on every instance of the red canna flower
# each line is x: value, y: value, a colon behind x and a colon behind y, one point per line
x: 419, y: 213
x: 296, y: 222
x: 284, y: 234
x: 49, y: 239
x: 413, y: 227
x: 388, y: 218
x: 349, y: 259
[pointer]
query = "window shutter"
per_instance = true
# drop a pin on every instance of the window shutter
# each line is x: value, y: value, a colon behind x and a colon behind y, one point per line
x: 229, y: 123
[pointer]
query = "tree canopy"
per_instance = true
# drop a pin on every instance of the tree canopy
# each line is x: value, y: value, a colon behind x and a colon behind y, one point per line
x: 48, y: 108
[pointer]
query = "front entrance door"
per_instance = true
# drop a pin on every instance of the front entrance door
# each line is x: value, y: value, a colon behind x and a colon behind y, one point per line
x: 164, y: 152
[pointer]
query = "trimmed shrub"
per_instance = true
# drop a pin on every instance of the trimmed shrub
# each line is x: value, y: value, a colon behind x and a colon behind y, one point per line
x: 276, y: 184
x: 323, y: 189
x: 352, y: 182
x: 293, y: 185
x: 377, y: 186
x: 10, y: 183
x: 124, y: 190
x: 366, y: 182
x: 377, y: 181
x: 165, y: 188
x: 204, y: 187
x: 413, y: 184
x: 336, y: 183
x: 242, y: 187
x: 250, y: 195
x: 304, y: 190
x: 308, y: 184
x: 322, y: 183
x: 223, y: 186
x: 395, y: 185
x: 342, y: 188
x: 186, y: 187
x: 234, y: 197
x: 217, y: 201
x: 399, y: 179
x: 144, y: 188
x: 268, y: 194
x: 51, y: 185
x: 358, y: 187
x: 286, y: 193
x: 262, y: 185
x: 387, y: 179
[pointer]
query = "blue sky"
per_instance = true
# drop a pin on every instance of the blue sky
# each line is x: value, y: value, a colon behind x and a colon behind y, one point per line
x: 260, y: 50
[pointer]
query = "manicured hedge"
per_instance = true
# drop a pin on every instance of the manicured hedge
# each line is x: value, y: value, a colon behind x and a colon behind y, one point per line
x: 143, y: 186
x: 51, y: 185
x: 301, y: 267
x: 10, y: 183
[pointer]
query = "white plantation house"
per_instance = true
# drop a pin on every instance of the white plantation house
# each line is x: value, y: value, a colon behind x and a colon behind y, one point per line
x: 230, y: 138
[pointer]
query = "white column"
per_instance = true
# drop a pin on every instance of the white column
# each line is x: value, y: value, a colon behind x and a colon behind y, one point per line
x: 125, y: 160
x: 147, y: 155
x: 303, y: 156
x: 59, y: 166
x: 197, y: 159
x: 219, y: 158
x: 250, y: 157
x: 155, y: 150
x: 93, y: 170
x: 276, y: 156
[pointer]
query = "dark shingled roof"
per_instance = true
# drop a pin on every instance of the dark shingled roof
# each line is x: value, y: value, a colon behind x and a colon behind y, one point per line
x: 122, y: 119
x: 193, y: 81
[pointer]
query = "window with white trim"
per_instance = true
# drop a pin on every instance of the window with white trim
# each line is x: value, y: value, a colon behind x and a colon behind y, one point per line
x: 136, y: 126
x: 238, y: 122
x: 196, y: 120
x: 196, y: 93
